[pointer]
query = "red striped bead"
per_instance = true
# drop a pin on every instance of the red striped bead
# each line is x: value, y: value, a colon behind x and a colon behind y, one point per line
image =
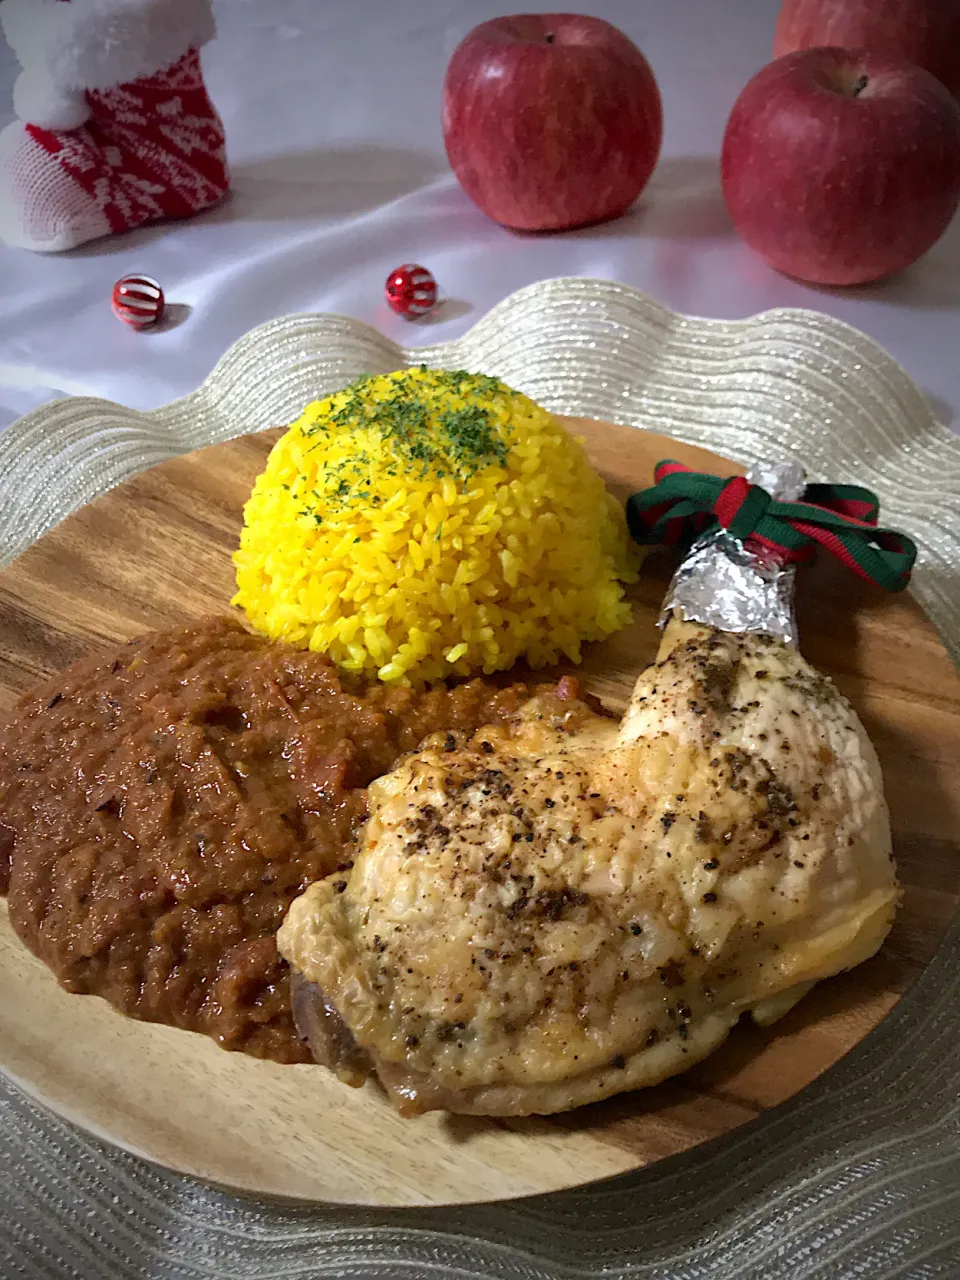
x: 138, y: 301
x: 411, y: 290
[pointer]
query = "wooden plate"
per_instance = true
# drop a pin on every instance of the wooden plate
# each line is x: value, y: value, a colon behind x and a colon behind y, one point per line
x: 155, y: 553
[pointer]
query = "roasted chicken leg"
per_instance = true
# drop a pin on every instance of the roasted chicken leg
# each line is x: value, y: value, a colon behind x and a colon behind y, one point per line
x: 565, y: 907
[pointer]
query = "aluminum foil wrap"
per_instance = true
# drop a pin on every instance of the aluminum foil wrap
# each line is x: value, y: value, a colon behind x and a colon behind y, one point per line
x: 723, y: 583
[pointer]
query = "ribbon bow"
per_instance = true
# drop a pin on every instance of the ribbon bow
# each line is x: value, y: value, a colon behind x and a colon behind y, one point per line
x: 840, y: 517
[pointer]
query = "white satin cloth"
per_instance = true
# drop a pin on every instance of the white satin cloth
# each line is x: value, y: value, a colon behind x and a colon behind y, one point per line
x: 339, y: 174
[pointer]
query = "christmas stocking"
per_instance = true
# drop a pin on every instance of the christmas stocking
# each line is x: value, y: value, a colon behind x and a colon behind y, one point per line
x: 117, y: 128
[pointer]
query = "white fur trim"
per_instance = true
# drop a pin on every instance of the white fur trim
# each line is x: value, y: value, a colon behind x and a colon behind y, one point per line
x: 94, y: 44
x: 34, y: 26
x: 37, y: 100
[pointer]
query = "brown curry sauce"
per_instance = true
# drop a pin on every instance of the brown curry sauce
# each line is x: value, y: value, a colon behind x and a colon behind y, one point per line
x: 161, y: 807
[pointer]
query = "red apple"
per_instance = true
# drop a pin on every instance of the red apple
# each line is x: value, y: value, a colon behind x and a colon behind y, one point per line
x: 840, y: 166
x: 923, y: 31
x: 551, y: 120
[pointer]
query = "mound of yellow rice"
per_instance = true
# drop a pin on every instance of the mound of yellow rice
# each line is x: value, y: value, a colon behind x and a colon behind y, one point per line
x: 422, y: 523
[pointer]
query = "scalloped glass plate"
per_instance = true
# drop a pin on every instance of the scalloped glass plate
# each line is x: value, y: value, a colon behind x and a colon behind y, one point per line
x: 860, y: 1170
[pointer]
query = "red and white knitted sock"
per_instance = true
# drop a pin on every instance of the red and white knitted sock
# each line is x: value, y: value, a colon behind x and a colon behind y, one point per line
x: 117, y: 127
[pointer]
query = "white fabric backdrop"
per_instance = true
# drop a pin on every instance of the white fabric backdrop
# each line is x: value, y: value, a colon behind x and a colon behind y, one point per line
x: 332, y: 114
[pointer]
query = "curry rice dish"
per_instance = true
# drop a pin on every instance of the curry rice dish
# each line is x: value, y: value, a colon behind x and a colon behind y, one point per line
x: 493, y: 900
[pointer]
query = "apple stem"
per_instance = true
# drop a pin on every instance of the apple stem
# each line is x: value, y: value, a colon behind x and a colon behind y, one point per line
x: 549, y: 37
x: 859, y: 87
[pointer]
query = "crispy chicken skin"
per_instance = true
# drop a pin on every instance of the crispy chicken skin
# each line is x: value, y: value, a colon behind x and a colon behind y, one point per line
x: 563, y: 907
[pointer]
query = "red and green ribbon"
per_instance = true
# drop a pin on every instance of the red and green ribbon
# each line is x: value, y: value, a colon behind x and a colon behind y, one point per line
x: 840, y: 517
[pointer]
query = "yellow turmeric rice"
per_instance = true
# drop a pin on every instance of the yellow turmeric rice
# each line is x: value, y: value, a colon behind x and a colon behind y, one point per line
x: 421, y: 524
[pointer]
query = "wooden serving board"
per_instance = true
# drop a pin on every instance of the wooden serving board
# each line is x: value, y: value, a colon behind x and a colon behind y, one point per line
x: 155, y: 553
